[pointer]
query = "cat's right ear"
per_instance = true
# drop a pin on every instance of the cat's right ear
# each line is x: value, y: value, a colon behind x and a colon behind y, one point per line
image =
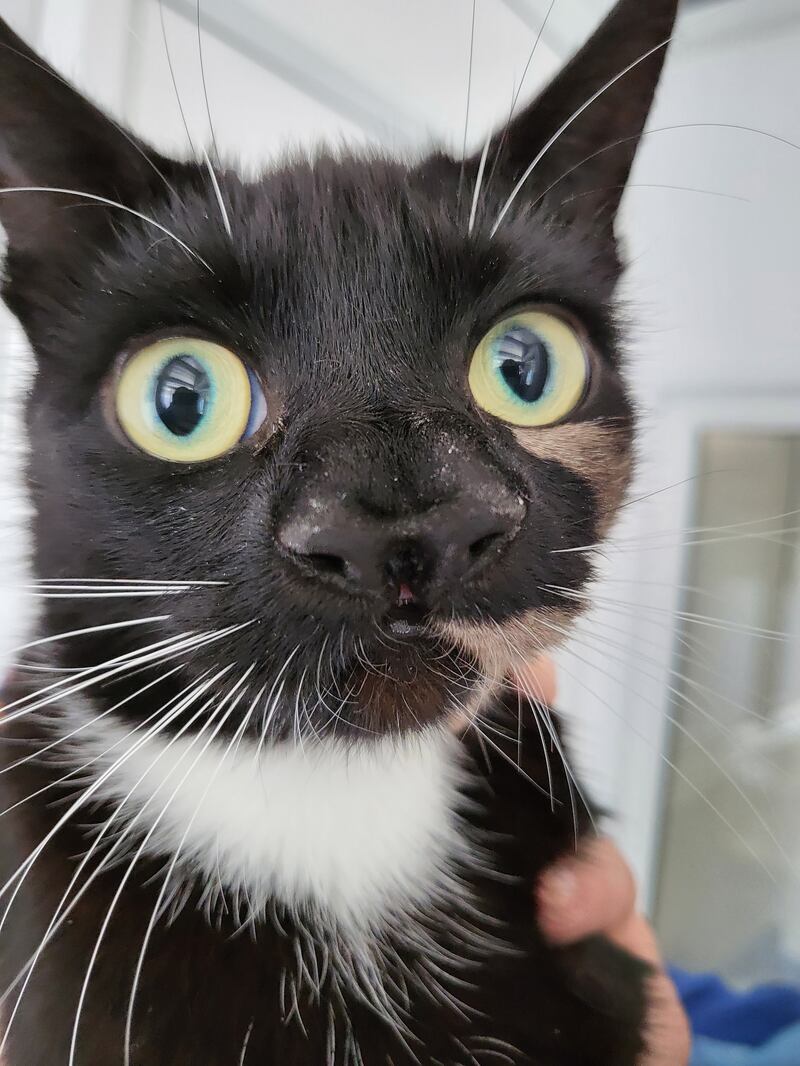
x: 52, y: 138
x: 574, y: 145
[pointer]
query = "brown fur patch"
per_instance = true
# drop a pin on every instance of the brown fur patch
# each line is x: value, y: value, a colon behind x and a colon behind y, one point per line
x: 502, y: 648
x: 408, y: 687
x: 602, y: 454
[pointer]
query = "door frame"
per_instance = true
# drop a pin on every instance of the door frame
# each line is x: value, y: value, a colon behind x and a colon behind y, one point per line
x: 682, y: 420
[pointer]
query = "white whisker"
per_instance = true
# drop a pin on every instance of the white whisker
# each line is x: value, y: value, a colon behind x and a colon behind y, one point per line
x: 96, y: 674
x: 65, y: 686
x: 246, y: 1043
x: 142, y: 847
x: 656, y: 185
x: 274, y: 696
x: 133, y: 581
x: 662, y: 129
x: 63, y: 738
x: 87, y: 630
x: 184, y: 702
x: 469, y: 101
x: 237, y: 736
x: 622, y: 606
x: 110, y: 203
x: 478, y: 182
x: 132, y: 141
x: 565, y: 126
x: 517, y: 91
x: 172, y: 75
x: 204, y: 83
x: 218, y: 193
x: 715, y: 762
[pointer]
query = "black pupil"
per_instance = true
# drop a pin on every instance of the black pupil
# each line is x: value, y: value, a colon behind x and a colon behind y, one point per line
x: 183, y: 389
x: 524, y: 362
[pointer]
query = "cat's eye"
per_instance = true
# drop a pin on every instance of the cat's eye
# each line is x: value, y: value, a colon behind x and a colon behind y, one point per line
x: 187, y: 400
x: 531, y: 369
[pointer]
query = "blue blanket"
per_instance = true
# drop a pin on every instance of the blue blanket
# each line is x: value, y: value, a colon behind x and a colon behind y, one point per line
x: 783, y: 1050
x: 750, y: 1018
x: 756, y: 1028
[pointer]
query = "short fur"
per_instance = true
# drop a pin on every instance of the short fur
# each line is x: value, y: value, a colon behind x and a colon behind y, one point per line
x: 354, y: 288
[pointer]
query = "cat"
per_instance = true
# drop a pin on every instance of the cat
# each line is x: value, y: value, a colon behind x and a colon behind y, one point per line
x: 308, y: 459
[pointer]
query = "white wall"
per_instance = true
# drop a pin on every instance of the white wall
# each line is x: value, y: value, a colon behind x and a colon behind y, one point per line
x: 255, y: 114
x: 400, y: 70
x: 714, y: 283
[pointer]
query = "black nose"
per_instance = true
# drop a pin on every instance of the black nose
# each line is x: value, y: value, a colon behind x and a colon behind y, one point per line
x: 409, y: 559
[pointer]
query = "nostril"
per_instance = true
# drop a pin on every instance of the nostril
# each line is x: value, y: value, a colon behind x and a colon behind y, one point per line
x: 326, y: 564
x: 484, y: 544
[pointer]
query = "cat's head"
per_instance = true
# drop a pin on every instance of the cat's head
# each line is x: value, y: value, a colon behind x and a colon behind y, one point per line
x: 370, y: 406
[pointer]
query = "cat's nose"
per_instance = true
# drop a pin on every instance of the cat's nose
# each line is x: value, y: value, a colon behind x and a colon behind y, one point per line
x: 407, y: 560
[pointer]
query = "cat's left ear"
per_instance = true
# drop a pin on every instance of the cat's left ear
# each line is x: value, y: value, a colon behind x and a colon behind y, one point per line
x: 51, y: 137
x: 593, y: 121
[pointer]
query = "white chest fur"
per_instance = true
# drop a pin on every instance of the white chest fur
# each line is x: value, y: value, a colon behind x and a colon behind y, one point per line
x: 362, y: 832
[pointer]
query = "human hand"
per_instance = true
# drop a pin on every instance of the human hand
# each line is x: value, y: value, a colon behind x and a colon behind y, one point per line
x: 595, y: 893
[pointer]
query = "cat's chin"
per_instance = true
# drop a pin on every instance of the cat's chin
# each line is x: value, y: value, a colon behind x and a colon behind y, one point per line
x: 406, y: 681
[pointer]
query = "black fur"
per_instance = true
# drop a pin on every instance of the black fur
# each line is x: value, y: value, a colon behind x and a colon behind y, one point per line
x: 351, y: 287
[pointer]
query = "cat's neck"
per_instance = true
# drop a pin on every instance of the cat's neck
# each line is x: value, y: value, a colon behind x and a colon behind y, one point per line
x: 359, y: 832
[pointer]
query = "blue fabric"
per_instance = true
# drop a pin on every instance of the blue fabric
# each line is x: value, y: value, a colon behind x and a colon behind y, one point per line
x: 751, y: 1019
x: 783, y: 1050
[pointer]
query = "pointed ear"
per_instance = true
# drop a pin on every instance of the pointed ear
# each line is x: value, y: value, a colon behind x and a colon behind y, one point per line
x: 599, y: 141
x: 50, y: 136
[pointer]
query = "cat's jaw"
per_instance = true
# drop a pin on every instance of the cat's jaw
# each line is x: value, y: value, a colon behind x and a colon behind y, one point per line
x: 358, y: 834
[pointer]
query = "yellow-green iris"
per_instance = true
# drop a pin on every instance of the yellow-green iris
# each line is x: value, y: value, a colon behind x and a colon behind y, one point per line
x: 529, y: 370
x: 187, y: 400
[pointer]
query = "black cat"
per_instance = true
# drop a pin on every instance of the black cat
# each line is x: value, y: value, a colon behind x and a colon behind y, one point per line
x: 309, y: 459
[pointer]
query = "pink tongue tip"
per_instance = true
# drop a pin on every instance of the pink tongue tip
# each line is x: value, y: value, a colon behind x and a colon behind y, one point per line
x: 404, y: 595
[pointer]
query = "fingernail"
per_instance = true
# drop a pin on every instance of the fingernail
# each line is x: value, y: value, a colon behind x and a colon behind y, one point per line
x: 557, y: 890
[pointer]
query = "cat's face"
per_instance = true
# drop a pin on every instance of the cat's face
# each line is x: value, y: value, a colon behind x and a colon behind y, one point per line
x: 368, y: 427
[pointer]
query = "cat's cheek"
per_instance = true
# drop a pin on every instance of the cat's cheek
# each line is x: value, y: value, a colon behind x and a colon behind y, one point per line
x: 508, y: 648
x: 598, y: 453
